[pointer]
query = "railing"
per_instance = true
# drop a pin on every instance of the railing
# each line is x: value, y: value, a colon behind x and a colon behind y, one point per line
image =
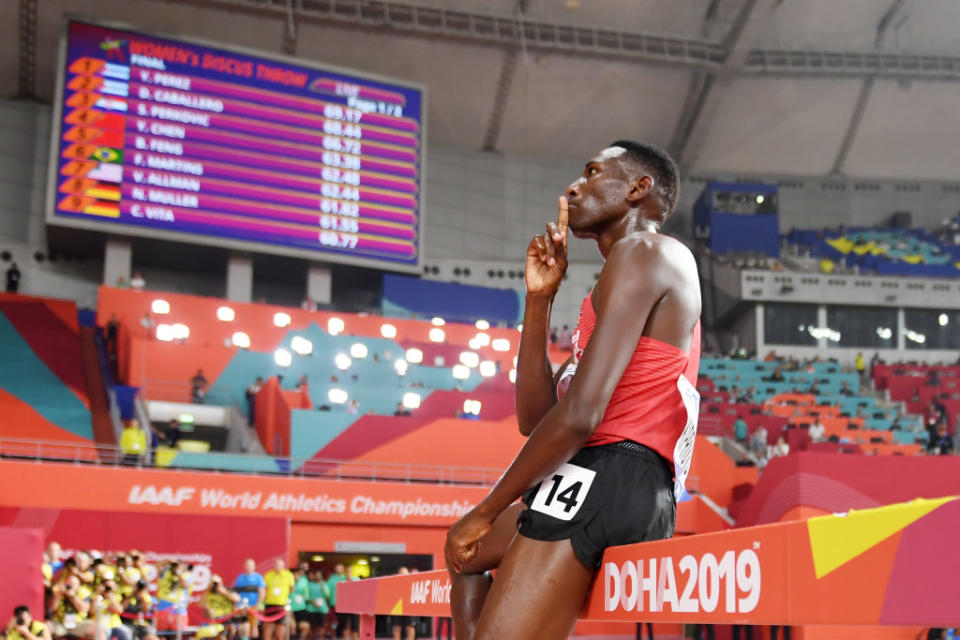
x: 110, y: 455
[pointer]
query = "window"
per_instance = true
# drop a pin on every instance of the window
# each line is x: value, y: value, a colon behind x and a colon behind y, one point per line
x: 931, y: 329
x: 790, y: 324
x: 861, y: 327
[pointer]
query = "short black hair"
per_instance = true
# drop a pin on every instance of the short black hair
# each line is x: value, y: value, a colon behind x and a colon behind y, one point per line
x: 20, y: 610
x: 662, y: 168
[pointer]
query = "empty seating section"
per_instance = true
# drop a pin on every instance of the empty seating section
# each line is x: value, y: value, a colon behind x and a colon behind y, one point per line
x: 891, y: 252
x: 43, y: 393
x: 919, y: 387
x: 788, y: 407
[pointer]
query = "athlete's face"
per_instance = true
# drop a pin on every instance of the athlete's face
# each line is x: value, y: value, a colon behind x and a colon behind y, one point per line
x: 601, y: 192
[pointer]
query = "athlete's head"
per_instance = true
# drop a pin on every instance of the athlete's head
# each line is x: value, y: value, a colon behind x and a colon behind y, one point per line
x: 626, y: 178
x: 249, y: 565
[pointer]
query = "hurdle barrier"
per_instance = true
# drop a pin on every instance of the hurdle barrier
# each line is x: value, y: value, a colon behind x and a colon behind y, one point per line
x: 893, y: 565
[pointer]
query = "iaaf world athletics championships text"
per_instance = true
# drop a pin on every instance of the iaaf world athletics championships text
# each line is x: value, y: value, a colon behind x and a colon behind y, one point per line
x: 296, y: 502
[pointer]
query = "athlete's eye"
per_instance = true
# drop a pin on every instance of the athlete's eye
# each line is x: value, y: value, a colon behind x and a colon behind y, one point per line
x: 592, y: 171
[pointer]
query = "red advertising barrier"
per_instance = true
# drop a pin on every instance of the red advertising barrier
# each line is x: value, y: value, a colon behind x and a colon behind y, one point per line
x: 303, y: 499
x: 21, y: 554
x: 885, y: 566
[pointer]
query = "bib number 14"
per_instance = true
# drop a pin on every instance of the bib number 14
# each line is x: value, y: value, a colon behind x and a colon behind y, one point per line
x: 562, y: 493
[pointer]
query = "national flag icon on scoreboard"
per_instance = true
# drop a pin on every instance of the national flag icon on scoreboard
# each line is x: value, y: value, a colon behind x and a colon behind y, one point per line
x: 95, y: 152
x: 94, y: 135
x: 90, y: 187
x: 107, y: 172
x: 111, y: 104
x: 76, y: 203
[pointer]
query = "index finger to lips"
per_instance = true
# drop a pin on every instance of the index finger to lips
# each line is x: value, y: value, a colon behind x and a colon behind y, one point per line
x: 563, y: 217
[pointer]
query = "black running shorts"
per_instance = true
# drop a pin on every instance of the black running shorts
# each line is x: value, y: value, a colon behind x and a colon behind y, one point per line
x: 605, y: 496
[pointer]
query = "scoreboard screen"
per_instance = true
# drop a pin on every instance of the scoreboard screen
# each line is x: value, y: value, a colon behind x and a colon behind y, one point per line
x: 172, y: 139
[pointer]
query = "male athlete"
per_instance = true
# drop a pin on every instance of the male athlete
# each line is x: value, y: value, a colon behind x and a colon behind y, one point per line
x: 608, y: 437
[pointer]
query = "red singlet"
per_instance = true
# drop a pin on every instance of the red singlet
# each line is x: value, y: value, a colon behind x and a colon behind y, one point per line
x: 655, y: 403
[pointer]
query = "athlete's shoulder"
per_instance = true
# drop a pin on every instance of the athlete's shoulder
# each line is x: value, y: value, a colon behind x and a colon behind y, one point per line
x: 649, y: 248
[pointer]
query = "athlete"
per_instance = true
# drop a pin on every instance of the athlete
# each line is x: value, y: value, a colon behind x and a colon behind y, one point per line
x: 610, y: 434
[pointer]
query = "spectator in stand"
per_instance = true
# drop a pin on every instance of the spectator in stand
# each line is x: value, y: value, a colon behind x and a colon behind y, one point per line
x: 138, y: 611
x: 279, y: 584
x: 70, y: 604
x: 299, y: 599
x: 747, y: 396
x: 553, y: 335
x: 758, y: 442
x: 402, y: 410
x: 317, y: 605
x: 13, y: 279
x: 251, y: 395
x: 133, y: 444
x: 251, y: 588
x: 814, y: 388
x: 22, y: 626
x: 122, y: 283
x: 780, y: 449
x: 308, y: 304
x: 218, y: 604
x: 172, y: 436
x: 148, y: 324
x: 198, y: 387
x: 565, y: 338
x: 776, y: 376
x: 353, y: 407
x: 740, y: 430
x: 817, y: 431
x: 171, y: 613
x: 874, y: 361
x: 137, y: 283
x: 771, y: 357
x: 933, y: 378
x: 943, y: 441
x: 861, y: 366
x: 845, y: 389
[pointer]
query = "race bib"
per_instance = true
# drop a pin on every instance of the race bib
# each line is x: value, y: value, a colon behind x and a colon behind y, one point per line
x: 563, y: 492
x: 298, y: 599
x: 277, y: 590
x: 70, y: 621
x: 683, y: 451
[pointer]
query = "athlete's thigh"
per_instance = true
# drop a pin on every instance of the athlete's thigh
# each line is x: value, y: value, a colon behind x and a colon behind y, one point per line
x: 494, y: 545
x: 537, y: 593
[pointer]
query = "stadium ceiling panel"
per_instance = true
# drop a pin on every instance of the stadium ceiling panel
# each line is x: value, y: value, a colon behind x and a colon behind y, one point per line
x: 787, y: 110
x: 908, y: 130
x: 795, y: 127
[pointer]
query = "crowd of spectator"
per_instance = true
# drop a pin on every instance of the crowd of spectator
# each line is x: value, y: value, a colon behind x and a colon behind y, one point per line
x: 121, y: 596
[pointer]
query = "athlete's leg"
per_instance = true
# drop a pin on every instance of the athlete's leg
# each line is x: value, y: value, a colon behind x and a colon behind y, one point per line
x: 538, y: 594
x: 469, y: 588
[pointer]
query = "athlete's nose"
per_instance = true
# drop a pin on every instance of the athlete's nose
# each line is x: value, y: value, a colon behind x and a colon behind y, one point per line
x: 573, y: 190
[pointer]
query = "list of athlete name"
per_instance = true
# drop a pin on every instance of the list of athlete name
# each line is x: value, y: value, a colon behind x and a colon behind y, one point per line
x: 198, y: 154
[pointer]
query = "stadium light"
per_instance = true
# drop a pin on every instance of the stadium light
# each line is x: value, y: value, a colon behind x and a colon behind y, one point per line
x: 282, y: 357
x: 482, y: 339
x: 335, y: 326
x: 301, y: 346
x: 513, y: 376
x: 488, y: 368
x: 414, y: 355
x: 160, y: 307
x: 515, y: 360
x: 342, y: 361
x: 180, y: 331
x: 358, y: 350
x: 337, y: 396
x: 469, y: 359
x: 226, y: 314
x: 401, y: 366
x: 437, y: 335
x: 520, y: 328
x: 411, y: 400
x: 471, y: 407
x: 241, y: 340
x: 483, y: 325
x: 165, y: 333
x: 281, y: 319
x: 438, y: 322
x: 460, y: 372
x: 388, y: 330
x: 501, y: 344
x: 944, y: 320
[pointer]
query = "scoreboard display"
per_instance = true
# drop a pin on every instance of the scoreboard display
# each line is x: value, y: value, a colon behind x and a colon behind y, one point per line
x: 172, y: 139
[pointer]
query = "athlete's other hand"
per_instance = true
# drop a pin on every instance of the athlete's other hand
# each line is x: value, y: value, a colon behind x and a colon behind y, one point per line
x: 463, y: 539
x: 547, y: 255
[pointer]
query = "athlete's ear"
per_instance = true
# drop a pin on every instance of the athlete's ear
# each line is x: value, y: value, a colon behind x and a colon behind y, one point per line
x: 639, y: 188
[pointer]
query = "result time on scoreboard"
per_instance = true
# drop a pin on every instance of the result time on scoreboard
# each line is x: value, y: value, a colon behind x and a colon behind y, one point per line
x: 169, y: 138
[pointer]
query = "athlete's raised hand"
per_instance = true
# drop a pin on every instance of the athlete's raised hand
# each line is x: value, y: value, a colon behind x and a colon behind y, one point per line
x: 463, y: 539
x: 547, y: 255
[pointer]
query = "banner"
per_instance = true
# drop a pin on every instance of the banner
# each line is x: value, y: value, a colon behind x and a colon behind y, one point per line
x: 27, y: 484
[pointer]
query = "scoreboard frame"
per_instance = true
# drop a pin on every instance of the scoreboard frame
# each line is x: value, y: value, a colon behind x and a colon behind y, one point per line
x: 113, y: 229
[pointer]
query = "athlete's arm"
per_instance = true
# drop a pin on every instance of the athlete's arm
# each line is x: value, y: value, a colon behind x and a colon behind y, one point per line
x: 631, y: 283
x: 545, y: 267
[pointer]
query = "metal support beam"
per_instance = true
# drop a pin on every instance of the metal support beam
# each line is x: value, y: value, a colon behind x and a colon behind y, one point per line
x: 851, y: 132
x: 289, y: 44
x: 504, y: 84
x: 499, y: 31
x: 705, y: 95
x: 27, y: 72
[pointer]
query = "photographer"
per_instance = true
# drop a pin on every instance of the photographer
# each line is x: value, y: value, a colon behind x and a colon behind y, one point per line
x: 252, y: 590
x: 107, y: 608
x: 171, y: 612
x: 218, y: 605
x: 138, y: 610
x: 23, y: 627
x: 70, y: 605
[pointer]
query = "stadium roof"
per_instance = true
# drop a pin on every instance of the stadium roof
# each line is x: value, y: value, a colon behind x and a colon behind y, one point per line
x: 863, y: 88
